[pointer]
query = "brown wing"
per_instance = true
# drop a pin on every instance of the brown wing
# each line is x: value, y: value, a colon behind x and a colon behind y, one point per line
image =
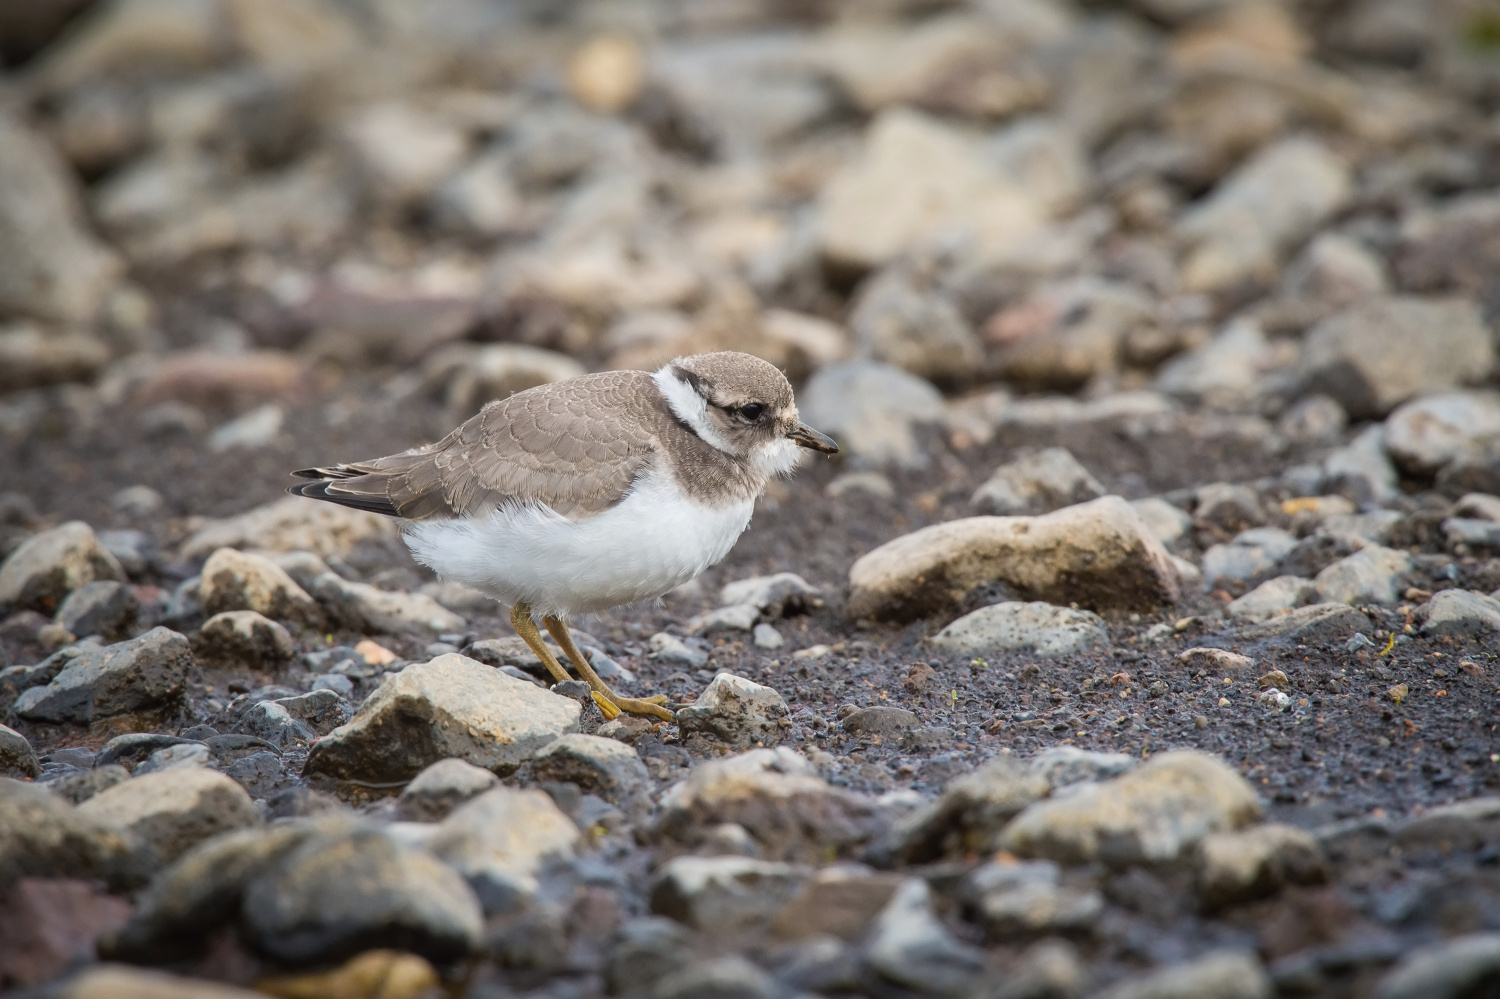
x: 576, y: 446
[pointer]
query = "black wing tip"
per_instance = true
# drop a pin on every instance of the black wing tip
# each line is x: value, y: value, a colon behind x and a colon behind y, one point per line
x: 319, y: 491
x: 331, y: 472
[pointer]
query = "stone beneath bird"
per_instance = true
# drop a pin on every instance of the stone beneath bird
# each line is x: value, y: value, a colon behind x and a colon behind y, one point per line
x: 581, y: 495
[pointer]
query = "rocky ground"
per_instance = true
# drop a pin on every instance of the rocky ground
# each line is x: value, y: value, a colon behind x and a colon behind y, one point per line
x: 1143, y: 642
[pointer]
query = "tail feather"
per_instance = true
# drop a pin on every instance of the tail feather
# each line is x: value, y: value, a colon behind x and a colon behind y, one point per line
x: 341, y: 484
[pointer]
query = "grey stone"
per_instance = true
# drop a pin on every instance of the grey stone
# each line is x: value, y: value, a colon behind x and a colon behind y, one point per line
x: 734, y: 712
x: 1167, y: 521
x: 731, y: 977
x: 292, y: 524
x: 42, y: 836
x: 777, y: 595
x: 598, y: 765
x: 83, y: 785
x: 1374, y: 526
x: 332, y: 897
x: 1252, y: 553
x: 244, y: 638
x: 1049, y: 969
x: 1459, y: 614
x: 1453, y: 969
x: 1061, y: 766
x: 172, y: 810
x: 1313, y: 419
x: 1374, y: 575
x: 1038, y: 628
x: 1016, y: 899
x: 104, y: 607
x: 1224, y: 372
x: 235, y: 580
x: 670, y: 648
x: 1152, y: 814
x: 1315, y: 624
x: 452, y: 706
x: 145, y: 674
x: 442, y: 787
x: 1464, y: 534
x: 1361, y: 356
x: 767, y: 637
x: 336, y: 682
x: 1098, y: 555
x: 644, y: 951
x: 258, y: 773
x: 1361, y: 469
x: 1427, y: 433
x: 873, y: 410
x: 1229, y: 505
x: 724, y: 894
x: 1317, y: 552
x: 364, y: 608
x: 1037, y: 483
x: 910, y: 947
x: 180, y: 756
x: 49, y: 565
x: 1271, y: 598
x: 501, y: 840
x: 1239, y: 866
x: 17, y: 759
x: 881, y: 720
x: 899, y: 318
x: 132, y: 748
x: 1221, y: 975
x: 736, y: 617
x: 286, y: 721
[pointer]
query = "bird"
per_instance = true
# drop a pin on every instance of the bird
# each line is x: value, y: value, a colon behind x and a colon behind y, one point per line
x: 584, y: 494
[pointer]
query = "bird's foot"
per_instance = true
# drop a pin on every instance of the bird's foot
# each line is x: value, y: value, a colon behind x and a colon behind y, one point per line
x: 611, y: 704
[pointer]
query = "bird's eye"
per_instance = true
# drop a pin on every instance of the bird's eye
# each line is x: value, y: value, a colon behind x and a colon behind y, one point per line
x: 752, y: 411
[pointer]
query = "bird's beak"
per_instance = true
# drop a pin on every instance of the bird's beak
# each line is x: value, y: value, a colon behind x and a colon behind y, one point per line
x: 806, y: 436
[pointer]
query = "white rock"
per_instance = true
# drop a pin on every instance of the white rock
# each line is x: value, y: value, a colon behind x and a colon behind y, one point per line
x: 258, y: 428
x: 873, y: 410
x: 735, y: 617
x: 185, y: 754
x: 910, y: 946
x: 1374, y: 575
x: 1037, y: 483
x: 366, y: 608
x: 1223, y: 372
x: 735, y: 711
x: 1460, y: 614
x: 723, y: 894
x: 293, y: 524
x: 49, y: 565
x: 172, y: 810
x: 500, y: 840
x: 1038, y: 628
x: 1273, y: 597
x: 775, y: 595
x: 1425, y: 434
x: 670, y: 648
x: 1167, y: 521
x: 1250, y: 553
x: 767, y: 637
x: 242, y: 581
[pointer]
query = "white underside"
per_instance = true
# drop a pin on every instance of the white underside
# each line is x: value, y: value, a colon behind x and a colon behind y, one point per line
x: 652, y: 541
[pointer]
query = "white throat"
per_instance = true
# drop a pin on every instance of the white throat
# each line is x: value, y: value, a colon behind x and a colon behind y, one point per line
x: 690, y: 407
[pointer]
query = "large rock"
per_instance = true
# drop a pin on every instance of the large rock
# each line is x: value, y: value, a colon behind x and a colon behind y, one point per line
x: 773, y: 794
x: 146, y: 674
x: 1373, y: 575
x: 916, y: 179
x: 365, y: 608
x: 1273, y: 597
x: 899, y: 319
x: 451, y: 706
x: 1221, y: 975
x: 910, y: 946
x: 442, y: 787
x: 235, y: 580
x: 1099, y: 555
x: 17, y: 758
x: 723, y: 895
x: 776, y: 595
x: 1314, y: 624
x: 1460, y: 614
x: 34, y: 357
x: 735, y: 712
x: 46, y: 567
x: 1039, y: 628
x: 606, y: 767
x: 873, y: 411
x: 51, y: 267
x: 1037, y: 483
x: 244, y: 638
x: 500, y: 842
x: 1273, y: 201
x: 1152, y: 814
x: 293, y: 524
x: 1249, y: 554
x: 105, y: 607
x: 1460, y: 968
x: 172, y: 811
x: 336, y: 896
x: 287, y: 721
x: 1362, y: 356
x: 121, y: 981
x: 1425, y: 434
x: 1239, y: 866
x: 43, y: 836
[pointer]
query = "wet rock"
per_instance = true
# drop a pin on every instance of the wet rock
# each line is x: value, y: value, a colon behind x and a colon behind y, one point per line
x: 778, y: 595
x: 333, y: 897
x: 724, y: 895
x: 17, y: 759
x: 1271, y: 598
x: 244, y: 638
x: 51, y: 926
x: 1460, y: 614
x: 1012, y: 899
x: 1239, y: 866
x: 287, y: 721
x: 1314, y: 624
x: 53, y: 267
x: 1360, y: 355
x: 899, y: 319
x: 911, y: 948
x: 452, y: 706
x: 1037, y: 483
x: 1152, y: 814
x: 1374, y: 575
x: 1362, y: 470
x: 172, y: 811
x: 918, y: 177
x: 104, y: 607
x: 364, y: 608
x: 501, y: 840
x: 880, y: 720
x: 442, y: 787
x: 1464, y: 966
x: 1425, y: 434
x: 873, y: 410
x: 294, y: 524
x: 734, y: 712
x: 1222, y: 975
x: 1038, y: 628
x: 1252, y: 553
x: 776, y: 797
x: 598, y: 765
x: 186, y: 754
x: 1098, y: 554
x: 49, y: 565
x: 1272, y: 202
x: 145, y: 674
x: 235, y: 580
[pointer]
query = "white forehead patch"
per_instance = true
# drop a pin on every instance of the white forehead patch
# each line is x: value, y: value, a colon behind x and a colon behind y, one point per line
x: 690, y: 407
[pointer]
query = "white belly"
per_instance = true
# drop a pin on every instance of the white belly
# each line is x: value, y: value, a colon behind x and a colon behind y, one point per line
x: 655, y: 539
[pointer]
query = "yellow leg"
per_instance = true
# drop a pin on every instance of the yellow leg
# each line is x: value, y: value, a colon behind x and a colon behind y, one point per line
x: 520, y: 619
x: 609, y: 702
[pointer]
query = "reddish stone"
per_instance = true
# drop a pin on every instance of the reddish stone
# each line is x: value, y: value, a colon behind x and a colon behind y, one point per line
x: 50, y: 925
